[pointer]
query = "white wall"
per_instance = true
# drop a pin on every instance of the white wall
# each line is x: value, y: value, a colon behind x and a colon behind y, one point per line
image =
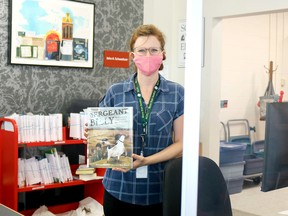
x: 212, y: 92
x: 214, y: 12
x: 226, y: 8
x: 245, y: 51
x: 166, y: 15
x: 248, y: 44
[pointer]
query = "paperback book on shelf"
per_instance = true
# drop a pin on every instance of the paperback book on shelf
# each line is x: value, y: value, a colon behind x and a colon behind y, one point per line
x: 59, y: 165
x: 84, y: 169
x: 110, y: 137
x: 88, y: 177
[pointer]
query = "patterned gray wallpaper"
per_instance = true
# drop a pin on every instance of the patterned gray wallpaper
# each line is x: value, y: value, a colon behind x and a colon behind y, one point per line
x: 44, y: 90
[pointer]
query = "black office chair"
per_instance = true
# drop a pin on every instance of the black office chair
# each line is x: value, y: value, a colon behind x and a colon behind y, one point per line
x: 172, y: 188
x: 213, y: 195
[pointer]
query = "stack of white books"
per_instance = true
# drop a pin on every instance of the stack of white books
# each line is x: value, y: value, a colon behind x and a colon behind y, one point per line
x: 38, y: 128
x: 77, y: 125
x: 60, y: 167
x: 52, y: 169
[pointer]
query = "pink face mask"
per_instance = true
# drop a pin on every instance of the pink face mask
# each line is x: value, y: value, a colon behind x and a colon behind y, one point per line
x: 148, y: 64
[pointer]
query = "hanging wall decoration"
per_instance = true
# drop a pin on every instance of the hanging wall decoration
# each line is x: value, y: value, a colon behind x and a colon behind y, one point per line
x: 52, y: 33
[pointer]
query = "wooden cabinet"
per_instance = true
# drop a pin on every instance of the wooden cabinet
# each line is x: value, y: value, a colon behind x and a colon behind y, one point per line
x: 58, y: 197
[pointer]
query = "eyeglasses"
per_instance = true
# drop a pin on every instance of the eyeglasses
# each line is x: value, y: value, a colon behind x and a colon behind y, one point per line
x: 143, y: 51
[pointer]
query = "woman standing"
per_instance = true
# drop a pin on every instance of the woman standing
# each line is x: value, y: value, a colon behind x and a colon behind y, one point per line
x: 158, y: 107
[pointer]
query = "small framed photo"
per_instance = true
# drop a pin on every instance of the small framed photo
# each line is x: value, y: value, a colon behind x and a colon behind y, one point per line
x: 52, y: 33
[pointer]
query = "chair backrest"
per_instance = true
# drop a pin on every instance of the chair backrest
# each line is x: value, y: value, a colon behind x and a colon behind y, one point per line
x: 213, y: 195
x: 172, y: 188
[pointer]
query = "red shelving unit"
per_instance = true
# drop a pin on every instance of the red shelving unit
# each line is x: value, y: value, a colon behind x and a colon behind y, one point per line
x: 9, y: 190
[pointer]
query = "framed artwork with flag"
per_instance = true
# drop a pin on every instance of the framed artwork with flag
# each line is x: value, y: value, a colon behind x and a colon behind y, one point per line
x: 52, y: 33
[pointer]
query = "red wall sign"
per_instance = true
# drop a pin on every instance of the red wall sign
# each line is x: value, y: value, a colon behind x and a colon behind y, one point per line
x: 116, y: 59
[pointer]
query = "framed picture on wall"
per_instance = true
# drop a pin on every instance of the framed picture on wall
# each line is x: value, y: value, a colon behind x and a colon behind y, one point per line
x: 52, y: 33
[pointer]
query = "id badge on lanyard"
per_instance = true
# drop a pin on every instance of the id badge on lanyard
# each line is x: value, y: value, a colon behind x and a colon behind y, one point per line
x: 142, y: 172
